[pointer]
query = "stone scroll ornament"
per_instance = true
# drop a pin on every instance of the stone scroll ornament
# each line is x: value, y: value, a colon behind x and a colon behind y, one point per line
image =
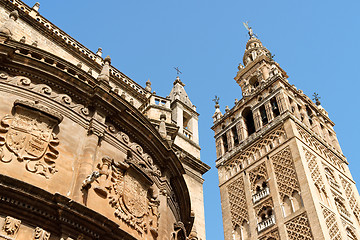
x: 27, y: 136
x: 131, y: 192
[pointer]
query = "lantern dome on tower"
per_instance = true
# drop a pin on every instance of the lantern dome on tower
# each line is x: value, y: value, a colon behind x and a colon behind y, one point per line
x: 254, y: 49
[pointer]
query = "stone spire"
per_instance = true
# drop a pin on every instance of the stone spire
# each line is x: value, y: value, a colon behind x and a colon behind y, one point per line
x: 178, y: 93
x: 162, y: 126
x: 148, y: 85
x: 36, y: 6
x: 217, y: 113
x: 104, y: 75
x: 8, y: 27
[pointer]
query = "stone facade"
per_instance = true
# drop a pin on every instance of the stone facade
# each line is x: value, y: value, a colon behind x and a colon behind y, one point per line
x: 85, y: 151
x: 281, y: 170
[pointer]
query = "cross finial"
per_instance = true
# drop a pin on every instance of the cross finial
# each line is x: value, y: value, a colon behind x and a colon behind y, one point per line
x: 177, y: 70
x: 216, y: 100
x: 316, y: 98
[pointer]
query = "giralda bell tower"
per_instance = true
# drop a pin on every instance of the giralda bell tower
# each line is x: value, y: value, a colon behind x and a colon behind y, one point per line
x: 281, y: 169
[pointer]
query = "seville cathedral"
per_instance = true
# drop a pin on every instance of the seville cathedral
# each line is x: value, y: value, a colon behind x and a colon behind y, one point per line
x: 87, y: 153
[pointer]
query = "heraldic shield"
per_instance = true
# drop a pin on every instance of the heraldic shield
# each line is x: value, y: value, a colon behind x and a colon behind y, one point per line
x: 135, y: 195
x: 28, y: 136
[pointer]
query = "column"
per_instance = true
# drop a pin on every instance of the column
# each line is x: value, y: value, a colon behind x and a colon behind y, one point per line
x: 283, y: 101
x: 257, y: 119
x: 304, y: 115
x: 269, y: 111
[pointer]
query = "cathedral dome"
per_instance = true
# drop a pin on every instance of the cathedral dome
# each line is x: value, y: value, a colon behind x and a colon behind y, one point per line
x: 254, y: 49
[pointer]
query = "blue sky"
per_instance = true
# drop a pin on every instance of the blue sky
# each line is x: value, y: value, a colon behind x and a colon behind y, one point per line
x: 315, y: 42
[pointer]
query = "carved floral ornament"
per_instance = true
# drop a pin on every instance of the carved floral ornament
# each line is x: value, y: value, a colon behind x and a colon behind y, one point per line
x: 11, y: 225
x: 28, y: 137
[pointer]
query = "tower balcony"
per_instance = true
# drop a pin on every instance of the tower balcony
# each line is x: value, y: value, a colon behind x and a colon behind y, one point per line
x: 260, y: 195
x: 266, y: 223
x: 187, y: 133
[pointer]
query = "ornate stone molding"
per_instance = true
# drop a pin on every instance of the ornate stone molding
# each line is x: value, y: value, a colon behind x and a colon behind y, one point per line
x: 46, y: 91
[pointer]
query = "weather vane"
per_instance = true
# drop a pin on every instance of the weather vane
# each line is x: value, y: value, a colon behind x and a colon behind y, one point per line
x: 250, y: 31
x: 316, y: 98
x: 177, y: 70
x: 216, y: 100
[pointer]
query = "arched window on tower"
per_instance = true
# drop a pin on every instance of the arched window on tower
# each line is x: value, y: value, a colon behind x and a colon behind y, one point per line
x: 261, y: 189
x: 249, y: 120
x: 254, y: 81
x: 263, y: 115
x: 235, y: 135
x: 309, y: 114
x: 266, y: 218
x: 275, y: 107
x: 225, y: 143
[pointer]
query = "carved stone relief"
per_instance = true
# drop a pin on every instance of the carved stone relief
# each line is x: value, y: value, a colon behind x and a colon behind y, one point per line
x: 299, y: 228
x: 44, y: 90
x: 41, y: 234
x: 131, y: 192
x: 11, y: 226
x: 179, y: 232
x: 28, y: 137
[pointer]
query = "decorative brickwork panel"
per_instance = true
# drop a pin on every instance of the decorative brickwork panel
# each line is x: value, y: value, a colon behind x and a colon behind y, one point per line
x: 237, y: 199
x: 273, y: 235
x: 314, y: 169
x: 320, y: 148
x: 274, y: 138
x: 331, y: 224
x: 285, y: 173
x: 350, y: 196
x: 259, y: 171
x: 299, y: 228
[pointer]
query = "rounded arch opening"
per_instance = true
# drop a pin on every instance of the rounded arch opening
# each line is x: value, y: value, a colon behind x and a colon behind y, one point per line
x: 249, y: 120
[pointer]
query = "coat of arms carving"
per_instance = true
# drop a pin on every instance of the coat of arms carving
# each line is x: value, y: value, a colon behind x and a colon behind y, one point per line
x: 131, y: 192
x: 28, y: 137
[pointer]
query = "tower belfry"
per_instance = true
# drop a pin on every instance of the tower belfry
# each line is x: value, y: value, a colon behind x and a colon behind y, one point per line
x: 281, y: 170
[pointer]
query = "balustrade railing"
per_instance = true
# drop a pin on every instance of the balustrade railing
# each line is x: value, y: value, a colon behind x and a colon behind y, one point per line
x: 266, y: 223
x: 260, y: 195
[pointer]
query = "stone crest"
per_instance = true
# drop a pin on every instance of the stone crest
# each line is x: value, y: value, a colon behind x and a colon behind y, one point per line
x: 135, y: 195
x: 28, y: 137
x: 131, y: 192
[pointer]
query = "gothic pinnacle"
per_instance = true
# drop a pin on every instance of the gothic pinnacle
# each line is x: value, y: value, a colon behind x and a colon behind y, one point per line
x: 9, y: 25
x: 104, y: 75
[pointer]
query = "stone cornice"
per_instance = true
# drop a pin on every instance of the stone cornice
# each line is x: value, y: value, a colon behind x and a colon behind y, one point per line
x: 57, y: 211
x: 73, y: 47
